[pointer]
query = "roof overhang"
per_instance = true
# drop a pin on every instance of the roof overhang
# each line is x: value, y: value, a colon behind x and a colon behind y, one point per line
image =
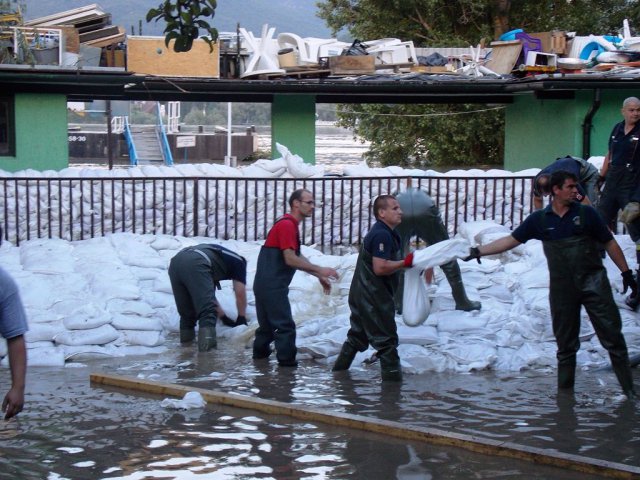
x: 116, y: 84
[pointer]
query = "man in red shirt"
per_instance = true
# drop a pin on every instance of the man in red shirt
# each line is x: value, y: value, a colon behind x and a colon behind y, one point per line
x: 278, y: 261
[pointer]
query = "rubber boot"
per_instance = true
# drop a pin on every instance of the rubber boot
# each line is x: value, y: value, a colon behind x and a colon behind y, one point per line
x: 345, y: 358
x: 187, y: 335
x: 207, y: 339
x: 566, y: 375
x: 454, y: 277
x: 390, y: 369
x: 625, y: 378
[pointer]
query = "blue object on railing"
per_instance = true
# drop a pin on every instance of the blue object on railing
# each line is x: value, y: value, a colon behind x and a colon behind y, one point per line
x: 133, y: 155
x: 162, y: 135
x: 589, y: 48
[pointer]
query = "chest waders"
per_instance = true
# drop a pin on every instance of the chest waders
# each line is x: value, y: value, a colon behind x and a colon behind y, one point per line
x: 577, y: 277
x: 420, y: 216
x: 195, y: 274
x: 275, y: 321
x: 371, y: 300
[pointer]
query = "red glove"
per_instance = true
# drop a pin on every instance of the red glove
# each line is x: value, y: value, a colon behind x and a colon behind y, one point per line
x: 408, y: 260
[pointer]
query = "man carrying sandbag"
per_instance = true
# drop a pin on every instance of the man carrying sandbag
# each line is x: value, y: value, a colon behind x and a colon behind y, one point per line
x: 371, y: 295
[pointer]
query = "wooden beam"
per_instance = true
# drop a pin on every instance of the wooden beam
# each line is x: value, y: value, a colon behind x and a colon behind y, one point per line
x: 409, y: 432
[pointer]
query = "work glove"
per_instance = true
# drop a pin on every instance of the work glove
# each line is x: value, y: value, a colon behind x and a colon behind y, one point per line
x: 474, y: 253
x: 628, y: 282
x: 242, y: 320
x: 227, y: 321
x: 408, y: 260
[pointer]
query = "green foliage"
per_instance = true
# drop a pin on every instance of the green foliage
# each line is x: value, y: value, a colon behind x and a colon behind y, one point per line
x: 431, y: 135
x: 185, y: 19
x: 423, y: 136
x: 202, y: 113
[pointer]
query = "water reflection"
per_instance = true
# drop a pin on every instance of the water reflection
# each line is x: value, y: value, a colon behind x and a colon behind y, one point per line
x: 73, y: 431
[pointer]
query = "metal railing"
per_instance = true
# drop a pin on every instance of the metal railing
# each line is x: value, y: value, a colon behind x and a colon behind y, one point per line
x: 238, y: 208
x: 133, y: 153
x: 162, y: 137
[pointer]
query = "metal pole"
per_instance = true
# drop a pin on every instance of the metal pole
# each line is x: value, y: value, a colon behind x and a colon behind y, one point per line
x: 227, y: 159
x: 109, y: 142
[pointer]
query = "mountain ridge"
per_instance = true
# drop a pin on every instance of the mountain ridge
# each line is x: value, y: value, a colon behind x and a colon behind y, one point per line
x: 293, y: 16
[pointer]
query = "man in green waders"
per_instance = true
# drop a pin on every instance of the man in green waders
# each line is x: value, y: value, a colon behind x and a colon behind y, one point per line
x: 371, y: 295
x: 420, y: 216
x: 195, y: 273
x: 570, y: 233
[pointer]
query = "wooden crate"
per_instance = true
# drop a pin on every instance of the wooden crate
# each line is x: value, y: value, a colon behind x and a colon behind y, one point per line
x: 352, y: 64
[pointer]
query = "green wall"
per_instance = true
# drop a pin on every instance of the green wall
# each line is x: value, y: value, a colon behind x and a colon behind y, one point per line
x: 539, y: 131
x: 293, y: 124
x: 41, y: 133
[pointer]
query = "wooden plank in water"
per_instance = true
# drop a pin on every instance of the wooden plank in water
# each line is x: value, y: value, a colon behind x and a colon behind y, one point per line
x: 409, y: 432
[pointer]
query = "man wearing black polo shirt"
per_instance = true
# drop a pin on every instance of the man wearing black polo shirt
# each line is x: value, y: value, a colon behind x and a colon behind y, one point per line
x: 570, y: 234
x: 371, y: 296
x: 621, y: 166
x: 195, y: 273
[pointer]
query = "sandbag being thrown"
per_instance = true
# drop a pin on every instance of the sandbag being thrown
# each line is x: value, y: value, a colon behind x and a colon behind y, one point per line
x: 415, y: 302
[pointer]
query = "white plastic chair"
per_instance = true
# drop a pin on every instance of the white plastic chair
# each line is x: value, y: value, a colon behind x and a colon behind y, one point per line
x: 264, y: 52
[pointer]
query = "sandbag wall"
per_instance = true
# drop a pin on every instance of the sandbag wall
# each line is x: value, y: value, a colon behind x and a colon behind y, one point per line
x: 96, y: 203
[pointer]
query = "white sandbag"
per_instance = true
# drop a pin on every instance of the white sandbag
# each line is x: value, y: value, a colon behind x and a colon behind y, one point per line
x: 94, y: 336
x: 43, y: 331
x: 422, y: 335
x: 190, y: 401
x: 472, y: 355
x: 458, y: 322
x: 415, y: 301
x: 135, y: 322
x: 146, y: 338
x: 86, y: 318
x: 417, y: 359
x: 127, y: 307
x: 165, y: 242
x: 296, y: 166
x: 49, y: 356
x: 441, y: 253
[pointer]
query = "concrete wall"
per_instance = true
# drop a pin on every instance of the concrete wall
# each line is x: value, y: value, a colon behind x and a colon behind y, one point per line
x: 539, y: 131
x: 41, y: 133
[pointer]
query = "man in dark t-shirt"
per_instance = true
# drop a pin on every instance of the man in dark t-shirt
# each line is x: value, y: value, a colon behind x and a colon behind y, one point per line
x: 571, y: 234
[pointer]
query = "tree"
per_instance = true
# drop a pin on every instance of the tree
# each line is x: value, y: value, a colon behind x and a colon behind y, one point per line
x: 185, y: 19
x: 425, y: 135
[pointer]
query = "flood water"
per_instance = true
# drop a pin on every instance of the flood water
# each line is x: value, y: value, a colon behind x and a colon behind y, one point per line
x: 73, y: 430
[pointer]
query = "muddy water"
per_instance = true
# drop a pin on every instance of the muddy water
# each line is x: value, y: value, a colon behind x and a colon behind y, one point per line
x: 73, y: 430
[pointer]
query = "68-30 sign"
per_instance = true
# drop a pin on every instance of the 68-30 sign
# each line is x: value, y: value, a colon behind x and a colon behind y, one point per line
x: 77, y: 138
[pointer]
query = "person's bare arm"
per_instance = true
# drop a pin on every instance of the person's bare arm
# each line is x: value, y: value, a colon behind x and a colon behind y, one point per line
x: 617, y: 256
x: 240, y: 291
x: 299, y: 262
x: 498, y: 246
x: 14, y: 399
x: 605, y: 165
x: 383, y: 267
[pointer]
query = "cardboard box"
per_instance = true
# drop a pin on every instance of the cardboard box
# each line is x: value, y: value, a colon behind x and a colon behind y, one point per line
x: 552, y: 42
x: 352, y: 64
